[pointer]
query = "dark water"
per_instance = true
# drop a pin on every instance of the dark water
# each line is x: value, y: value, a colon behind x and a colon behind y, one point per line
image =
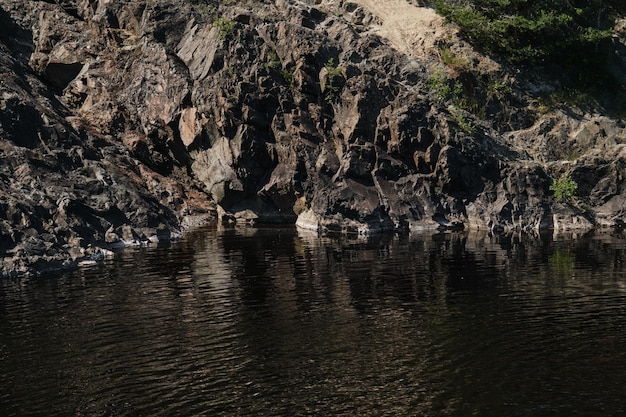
x: 270, y: 323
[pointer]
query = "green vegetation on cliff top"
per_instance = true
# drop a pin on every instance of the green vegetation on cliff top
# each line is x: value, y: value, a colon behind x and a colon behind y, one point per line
x: 541, y: 30
x: 573, y: 35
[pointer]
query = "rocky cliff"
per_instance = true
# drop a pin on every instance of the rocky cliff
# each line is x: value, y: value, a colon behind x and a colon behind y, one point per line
x: 125, y: 121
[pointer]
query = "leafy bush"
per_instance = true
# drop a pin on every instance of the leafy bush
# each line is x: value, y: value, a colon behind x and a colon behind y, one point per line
x: 444, y: 87
x: 288, y: 73
x: 225, y: 27
x: 333, y: 72
x: 451, y: 90
x: 498, y: 88
x: 466, y: 125
x: 563, y: 188
x: 273, y: 59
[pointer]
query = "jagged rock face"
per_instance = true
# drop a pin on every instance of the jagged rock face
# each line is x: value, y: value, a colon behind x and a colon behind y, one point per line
x: 67, y: 189
x: 120, y: 119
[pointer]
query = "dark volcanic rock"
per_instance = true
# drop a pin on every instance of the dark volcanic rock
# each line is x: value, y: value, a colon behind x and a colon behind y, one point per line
x: 120, y: 121
x: 68, y: 192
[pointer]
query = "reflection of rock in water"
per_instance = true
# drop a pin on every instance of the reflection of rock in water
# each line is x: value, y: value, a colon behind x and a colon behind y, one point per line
x: 276, y: 322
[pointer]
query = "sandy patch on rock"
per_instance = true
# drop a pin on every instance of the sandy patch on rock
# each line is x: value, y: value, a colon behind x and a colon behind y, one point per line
x: 410, y: 29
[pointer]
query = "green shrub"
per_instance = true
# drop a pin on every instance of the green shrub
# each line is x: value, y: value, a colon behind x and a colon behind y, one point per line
x: 273, y: 59
x: 205, y: 8
x: 563, y: 188
x: 225, y: 27
x: 274, y: 62
x: 451, y: 90
x: 498, y: 88
x: 333, y: 72
x: 466, y: 125
x: 444, y: 87
x: 288, y: 73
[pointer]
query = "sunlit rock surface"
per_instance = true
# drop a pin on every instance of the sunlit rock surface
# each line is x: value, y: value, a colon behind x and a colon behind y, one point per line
x: 124, y: 122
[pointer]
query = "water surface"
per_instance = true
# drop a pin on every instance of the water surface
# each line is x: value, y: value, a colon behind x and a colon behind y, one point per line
x: 267, y: 322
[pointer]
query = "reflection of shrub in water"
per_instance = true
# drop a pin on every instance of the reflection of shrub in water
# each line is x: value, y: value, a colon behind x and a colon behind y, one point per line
x: 562, y: 262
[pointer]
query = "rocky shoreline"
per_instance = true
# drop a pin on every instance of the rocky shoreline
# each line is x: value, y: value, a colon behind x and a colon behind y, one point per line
x: 121, y: 121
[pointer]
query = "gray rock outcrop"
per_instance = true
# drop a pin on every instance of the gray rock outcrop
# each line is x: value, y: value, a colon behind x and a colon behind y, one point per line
x: 120, y: 121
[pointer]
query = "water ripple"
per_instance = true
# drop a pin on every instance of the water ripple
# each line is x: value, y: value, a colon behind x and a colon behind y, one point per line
x: 272, y: 323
